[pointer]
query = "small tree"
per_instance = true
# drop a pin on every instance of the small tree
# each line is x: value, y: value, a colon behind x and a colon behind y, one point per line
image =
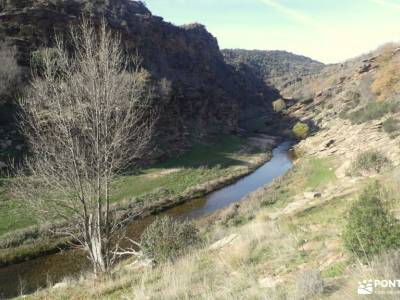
x: 86, y: 118
x: 370, y: 229
x: 301, y: 130
x: 279, y: 105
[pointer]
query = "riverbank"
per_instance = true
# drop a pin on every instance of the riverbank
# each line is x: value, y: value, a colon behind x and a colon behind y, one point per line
x: 195, y: 174
x: 37, y: 273
x: 276, y: 241
x: 266, y: 240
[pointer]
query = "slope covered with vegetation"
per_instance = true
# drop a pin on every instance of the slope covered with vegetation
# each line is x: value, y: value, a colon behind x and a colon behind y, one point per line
x: 315, y: 233
x: 330, y: 223
x: 276, y: 68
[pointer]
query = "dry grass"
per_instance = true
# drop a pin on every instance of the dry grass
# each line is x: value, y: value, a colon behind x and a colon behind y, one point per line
x: 383, y: 267
x: 387, y: 79
x: 230, y: 273
x: 239, y: 271
x: 233, y: 272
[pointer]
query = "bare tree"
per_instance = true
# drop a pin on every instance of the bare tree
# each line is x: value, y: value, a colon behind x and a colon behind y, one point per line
x: 87, y: 116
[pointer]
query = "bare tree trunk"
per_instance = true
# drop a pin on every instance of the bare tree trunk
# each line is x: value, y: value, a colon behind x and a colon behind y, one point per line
x: 86, y: 117
x: 96, y: 248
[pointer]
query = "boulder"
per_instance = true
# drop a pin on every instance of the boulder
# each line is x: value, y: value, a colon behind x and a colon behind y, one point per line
x: 312, y: 195
x: 60, y: 285
x: 330, y: 143
x: 141, y: 264
x: 364, y: 68
x: 224, y: 242
x: 270, y: 282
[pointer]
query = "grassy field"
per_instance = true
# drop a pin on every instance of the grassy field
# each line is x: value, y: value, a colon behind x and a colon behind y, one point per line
x: 12, y: 214
x: 202, y: 164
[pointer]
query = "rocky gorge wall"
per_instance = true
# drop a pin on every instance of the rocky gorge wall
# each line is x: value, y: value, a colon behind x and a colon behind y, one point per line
x: 199, y: 94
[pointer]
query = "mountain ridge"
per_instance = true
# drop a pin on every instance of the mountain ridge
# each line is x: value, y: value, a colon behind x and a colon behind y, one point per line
x: 275, y: 67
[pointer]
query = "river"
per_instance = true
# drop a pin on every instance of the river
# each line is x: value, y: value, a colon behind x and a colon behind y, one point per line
x: 28, y: 276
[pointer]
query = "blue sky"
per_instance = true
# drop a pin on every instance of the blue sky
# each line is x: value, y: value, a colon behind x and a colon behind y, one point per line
x: 327, y: 30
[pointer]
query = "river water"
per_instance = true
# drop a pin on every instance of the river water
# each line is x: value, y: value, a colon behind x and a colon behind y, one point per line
x: 28, y: 276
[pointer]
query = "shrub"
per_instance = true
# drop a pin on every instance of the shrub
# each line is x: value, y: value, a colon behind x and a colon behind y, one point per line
x: 309, y: 284
x: 369, y: 161
x: 392, y: 127
x: 335, y: 270
x: 301, y: 130
x: 39, y: 58
x: 370, y: 228
x: 279, y: 105
x: 166, y: 239
x: 374, y: 110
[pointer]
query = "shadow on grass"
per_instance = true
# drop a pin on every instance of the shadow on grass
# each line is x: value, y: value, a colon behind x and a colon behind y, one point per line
x: 208, y: 155
x: 217, y: 153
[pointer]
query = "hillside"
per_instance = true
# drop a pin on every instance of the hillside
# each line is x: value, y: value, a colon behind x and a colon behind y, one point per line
x: 239, y: 199
x: 199, y: 95
x: 276, y: 68
x: 367, y: 82
x: 289, y: 240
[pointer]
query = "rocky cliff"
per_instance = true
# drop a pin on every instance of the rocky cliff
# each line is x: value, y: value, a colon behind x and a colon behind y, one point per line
x: 200, y: 95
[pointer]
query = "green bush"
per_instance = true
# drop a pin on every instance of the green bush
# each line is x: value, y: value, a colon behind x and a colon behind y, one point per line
x: 279, y: 105
x: 392, y: 127
x: 370, y: 228
x: 301, y: 130
x: 166, y: 239
x: 369, y: 161
x: 372, y: 111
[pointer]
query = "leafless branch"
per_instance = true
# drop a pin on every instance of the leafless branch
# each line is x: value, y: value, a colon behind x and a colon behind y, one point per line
x: 86, y: 117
